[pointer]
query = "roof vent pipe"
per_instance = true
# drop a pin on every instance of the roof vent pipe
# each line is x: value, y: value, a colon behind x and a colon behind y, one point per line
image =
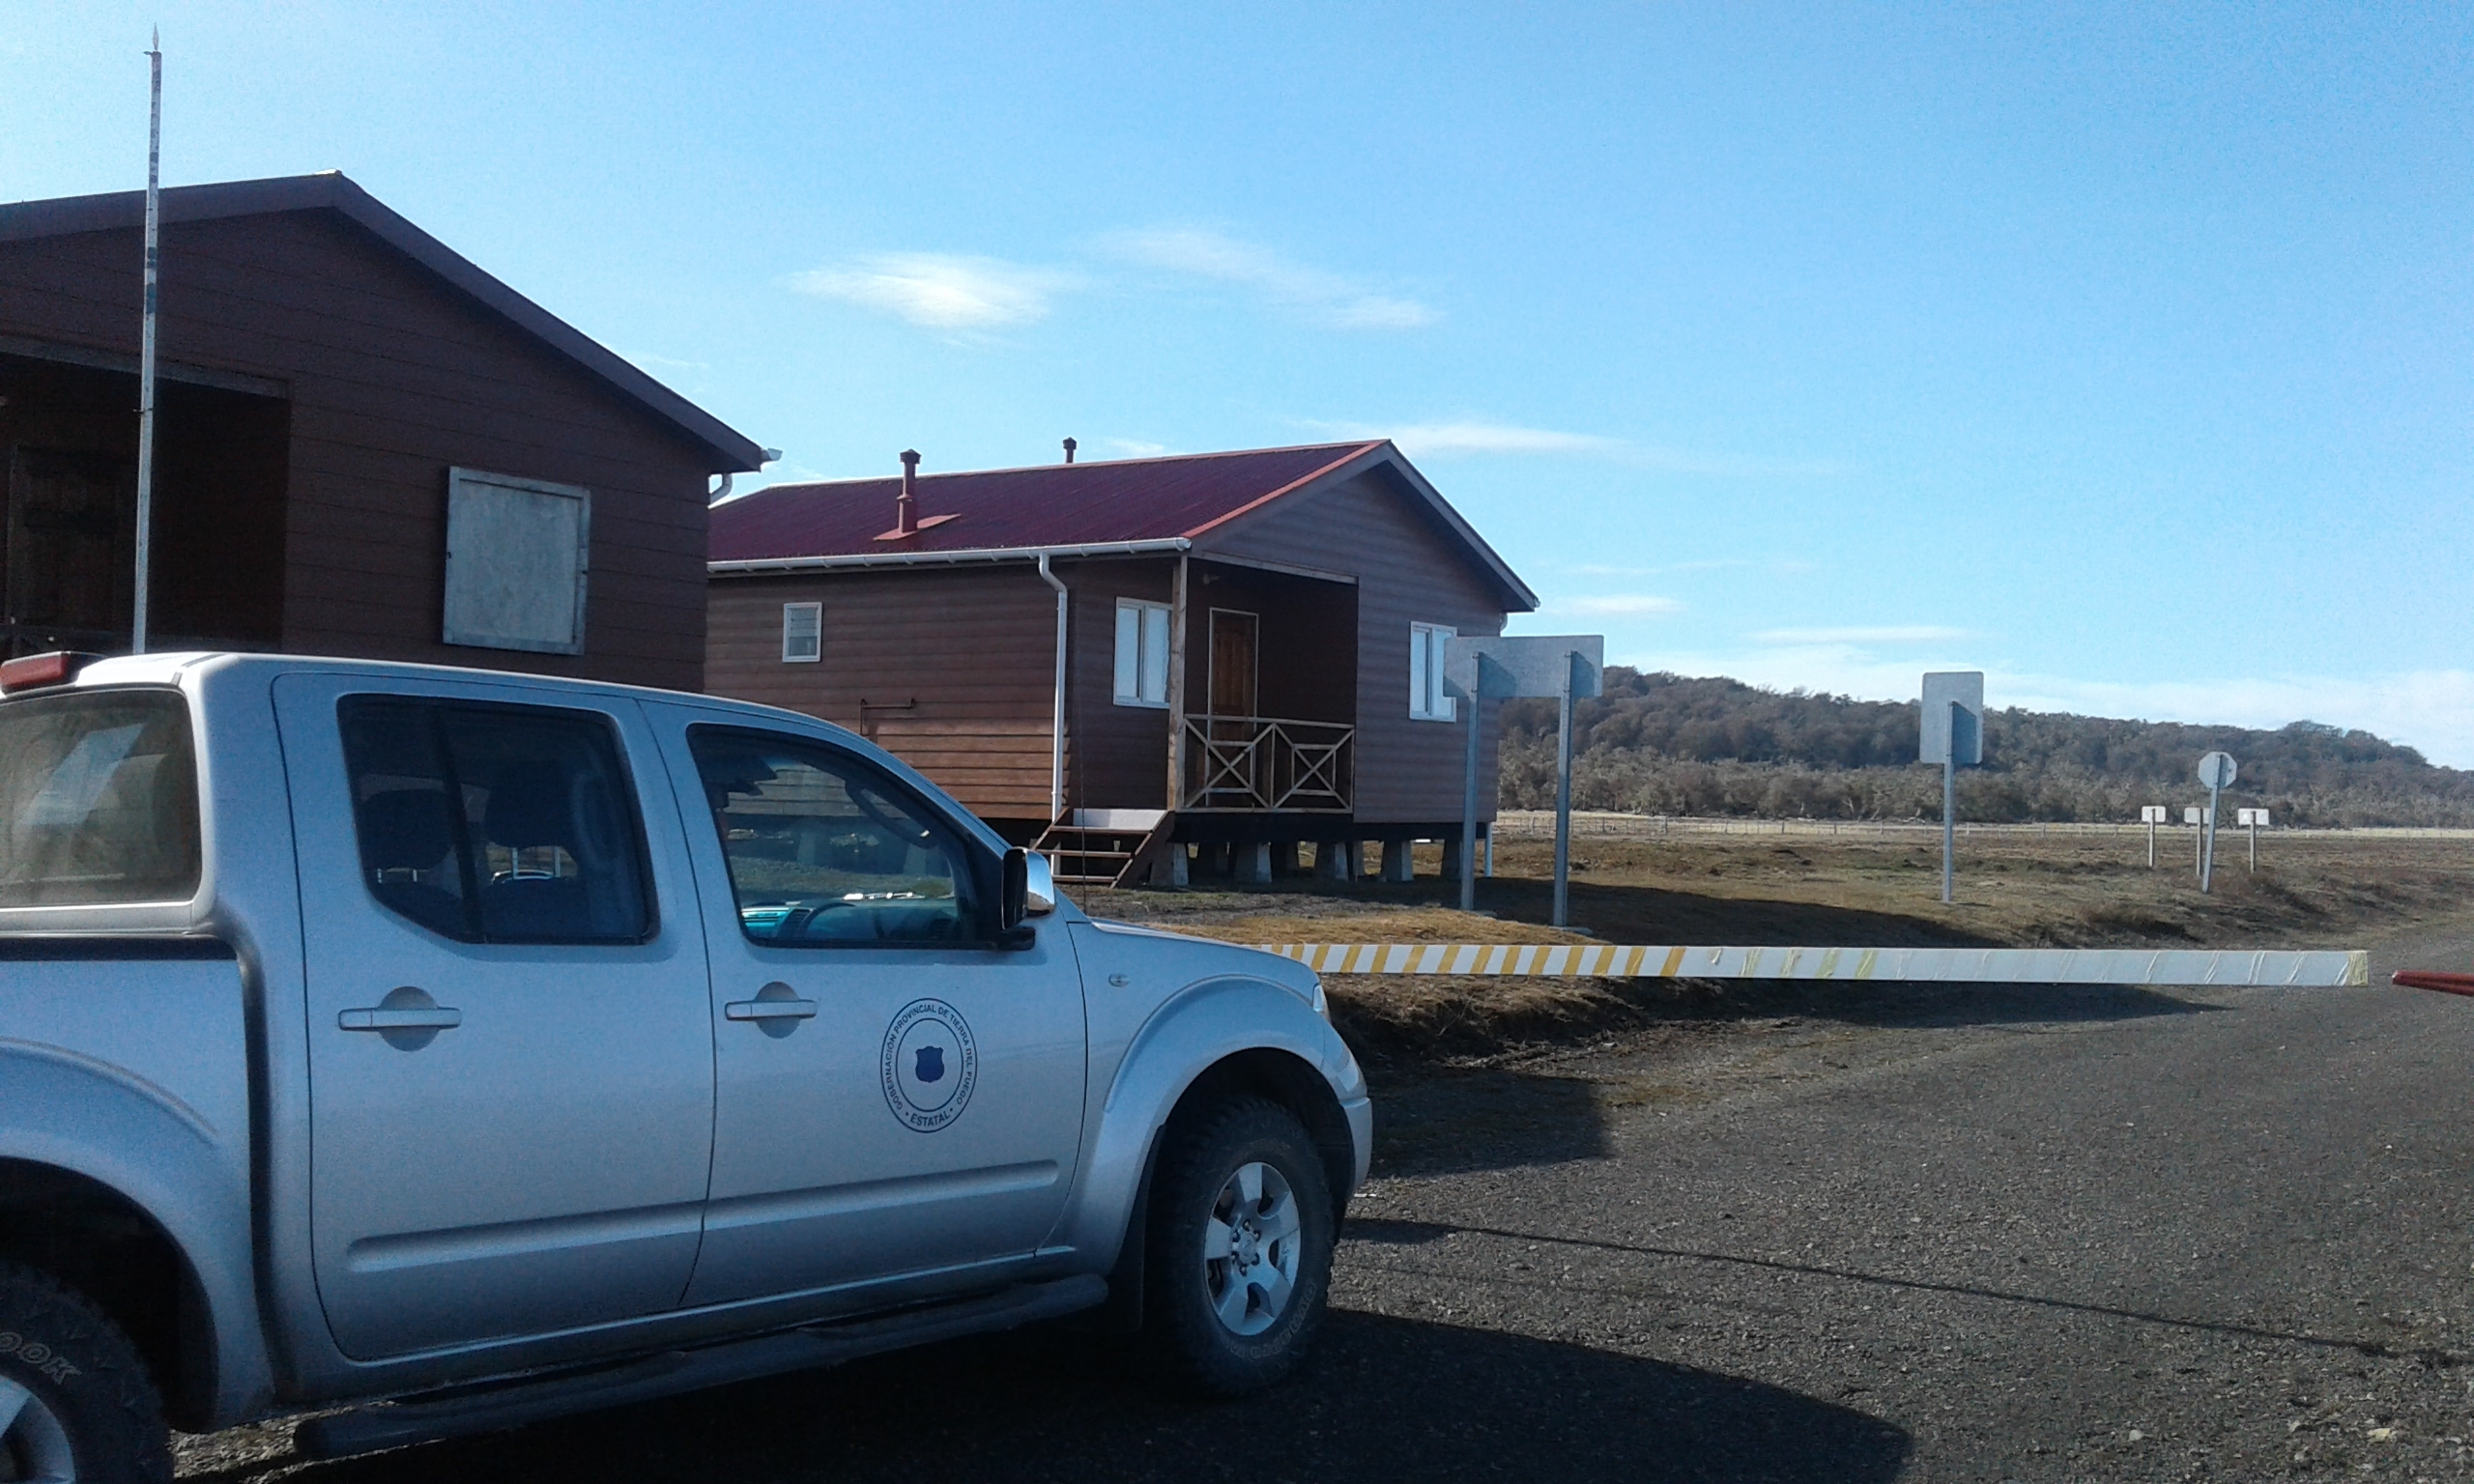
x: 905, y: 505
x: 1069, y: 450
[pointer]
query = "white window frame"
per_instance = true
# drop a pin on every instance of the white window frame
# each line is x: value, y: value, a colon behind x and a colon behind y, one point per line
x: 813, y: 613
x: 1428, y: 701
x: 1142, y: 654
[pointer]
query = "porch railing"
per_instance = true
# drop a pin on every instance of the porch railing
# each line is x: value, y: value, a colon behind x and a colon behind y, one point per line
x: 1259, y: 763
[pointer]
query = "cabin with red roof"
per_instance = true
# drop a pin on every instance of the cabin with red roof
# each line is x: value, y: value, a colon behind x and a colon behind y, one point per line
x: 1146, y: 666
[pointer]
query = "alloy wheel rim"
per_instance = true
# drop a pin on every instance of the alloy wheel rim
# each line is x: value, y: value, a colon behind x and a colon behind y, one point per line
x: 34, y: 1445
x: 1251, y: 1245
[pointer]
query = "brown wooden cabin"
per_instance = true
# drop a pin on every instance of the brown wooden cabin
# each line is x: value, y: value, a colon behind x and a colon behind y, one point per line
x: 1233, y: 652
x: 347, y: 409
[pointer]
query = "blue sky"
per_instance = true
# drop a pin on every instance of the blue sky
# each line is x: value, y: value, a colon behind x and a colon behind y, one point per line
x: 2120, y: 352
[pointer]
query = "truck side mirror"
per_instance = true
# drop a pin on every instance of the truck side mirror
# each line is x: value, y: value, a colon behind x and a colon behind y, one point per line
x: 1013, y: 903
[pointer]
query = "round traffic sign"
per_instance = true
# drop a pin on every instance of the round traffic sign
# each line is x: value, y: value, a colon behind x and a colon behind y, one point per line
x: 2215, y: 770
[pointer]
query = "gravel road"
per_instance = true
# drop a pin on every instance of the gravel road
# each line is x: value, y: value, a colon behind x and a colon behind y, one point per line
x: 1999, y: 1233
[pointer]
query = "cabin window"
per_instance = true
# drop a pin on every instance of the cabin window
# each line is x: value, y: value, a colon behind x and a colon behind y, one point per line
x: 802, y: 633
x: 516, y: 563
x: 1143, y: 653
x: 1428, y: 701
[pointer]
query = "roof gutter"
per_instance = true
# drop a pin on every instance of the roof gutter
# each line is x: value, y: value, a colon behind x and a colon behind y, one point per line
x: 765, y: 566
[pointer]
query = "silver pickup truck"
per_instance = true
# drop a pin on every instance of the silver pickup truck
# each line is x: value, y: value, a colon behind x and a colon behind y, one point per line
x: 438, y: 1050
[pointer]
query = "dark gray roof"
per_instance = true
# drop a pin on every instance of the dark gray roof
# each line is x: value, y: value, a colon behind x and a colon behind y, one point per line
x: 331, y: 191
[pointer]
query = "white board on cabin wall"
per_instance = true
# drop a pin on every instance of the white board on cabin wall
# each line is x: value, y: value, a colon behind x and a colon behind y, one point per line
x: 518, y: 555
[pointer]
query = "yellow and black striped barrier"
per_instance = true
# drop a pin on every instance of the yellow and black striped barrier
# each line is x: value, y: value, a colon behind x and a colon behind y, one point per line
x: 2298, y: 969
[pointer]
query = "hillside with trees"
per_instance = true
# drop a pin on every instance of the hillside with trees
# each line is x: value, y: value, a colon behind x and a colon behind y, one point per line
x: 1665, y: 744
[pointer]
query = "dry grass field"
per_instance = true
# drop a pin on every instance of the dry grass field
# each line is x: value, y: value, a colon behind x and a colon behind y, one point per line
x: 2016, y: 887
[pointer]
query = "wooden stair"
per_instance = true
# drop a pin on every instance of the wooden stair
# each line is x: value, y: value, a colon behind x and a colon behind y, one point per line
x: 1113, y: 853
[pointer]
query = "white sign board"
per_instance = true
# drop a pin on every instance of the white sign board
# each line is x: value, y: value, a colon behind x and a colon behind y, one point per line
x: 2194, y: 816
x: 2152, y: 813
x: 1963, y: 689
x: 2250, y: 817
x: 517, y: 560
x: 1532, y: 664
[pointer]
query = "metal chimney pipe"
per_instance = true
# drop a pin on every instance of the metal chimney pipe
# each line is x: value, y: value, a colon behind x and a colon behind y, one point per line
x: 905, y: 505
x: 1069, y: 450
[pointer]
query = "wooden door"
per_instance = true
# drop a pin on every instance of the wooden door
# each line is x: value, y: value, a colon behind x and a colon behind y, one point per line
x: 1232, y: 662
x: 68, y: 541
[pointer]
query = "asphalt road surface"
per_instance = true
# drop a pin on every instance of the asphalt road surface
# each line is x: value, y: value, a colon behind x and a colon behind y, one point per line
x: 1980, y: 1235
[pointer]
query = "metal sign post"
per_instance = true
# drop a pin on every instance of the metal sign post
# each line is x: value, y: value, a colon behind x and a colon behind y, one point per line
x: 2216, y: 771
x: 1567, y: 667
x: 1952, y: 735
x: 2253, y: 821
x: 2151, y: 816
x: 146, y: 345
x: 2192, y: 815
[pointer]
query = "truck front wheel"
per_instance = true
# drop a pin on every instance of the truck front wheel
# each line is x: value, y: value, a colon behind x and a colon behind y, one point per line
x: 76, y: 1406
x: 1240, y: 1260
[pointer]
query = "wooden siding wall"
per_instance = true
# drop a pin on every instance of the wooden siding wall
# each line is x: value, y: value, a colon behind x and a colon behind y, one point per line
x: 1118, y: 756
x: 393, y: 377
x: 973, y: 647
x: 1408, y: 571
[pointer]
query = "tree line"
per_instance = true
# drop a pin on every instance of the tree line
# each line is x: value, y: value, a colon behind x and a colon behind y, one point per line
x: 1657, y: 743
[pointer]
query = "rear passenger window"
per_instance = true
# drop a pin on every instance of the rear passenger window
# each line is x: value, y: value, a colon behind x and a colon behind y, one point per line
x: 496, y: 824
x: 824, y: 851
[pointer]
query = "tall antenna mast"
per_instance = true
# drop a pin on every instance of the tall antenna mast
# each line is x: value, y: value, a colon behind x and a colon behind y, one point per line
x: 146, y: 342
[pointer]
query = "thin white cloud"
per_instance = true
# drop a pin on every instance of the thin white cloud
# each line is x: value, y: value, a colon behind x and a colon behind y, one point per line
x: 1878, y: 633
x: 1426, y: 437
x: 1621, y: 605
x: 663, y: 364
x: 941, y: 290
x: 1317, y: 294
x: 1778, y: 565
x: 1480, y: 436
x: 1134, y: 447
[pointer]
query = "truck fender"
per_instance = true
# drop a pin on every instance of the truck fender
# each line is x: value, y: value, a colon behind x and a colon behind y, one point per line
x: 1200, y: 1027
x: 87, y: 1119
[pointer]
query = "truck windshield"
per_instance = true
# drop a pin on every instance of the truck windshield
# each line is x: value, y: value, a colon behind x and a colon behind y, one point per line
x: 98, y: 799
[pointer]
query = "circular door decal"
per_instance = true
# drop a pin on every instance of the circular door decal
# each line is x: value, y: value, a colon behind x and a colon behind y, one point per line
x: 930, y: 1064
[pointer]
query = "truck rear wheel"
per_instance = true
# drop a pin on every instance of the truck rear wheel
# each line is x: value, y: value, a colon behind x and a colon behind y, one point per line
x: 1239, y: 1261
x: 76, y: 1406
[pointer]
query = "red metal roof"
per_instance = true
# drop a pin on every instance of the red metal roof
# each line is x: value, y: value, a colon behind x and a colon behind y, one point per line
x: 1048, y: 505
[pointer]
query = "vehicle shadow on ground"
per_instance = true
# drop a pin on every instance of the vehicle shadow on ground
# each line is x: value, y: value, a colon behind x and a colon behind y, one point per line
x: 1890, y: 1005
x: 1539, y: 1106
x: 1486, y: 1119
x: 1384, y: 1399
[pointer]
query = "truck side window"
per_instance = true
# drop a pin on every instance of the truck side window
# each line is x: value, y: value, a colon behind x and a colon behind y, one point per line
x: 824, y: 851
x: 496, y: 824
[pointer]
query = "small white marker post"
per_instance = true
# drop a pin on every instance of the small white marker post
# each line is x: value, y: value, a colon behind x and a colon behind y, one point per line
x: 2216, y: 771
x: 2252, y: 819
x: 2192, y: 815
x: 1951, y: 733
x: 2151, y: 816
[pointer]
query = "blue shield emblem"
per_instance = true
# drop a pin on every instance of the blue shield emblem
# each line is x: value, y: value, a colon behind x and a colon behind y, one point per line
x: 930, y: 1066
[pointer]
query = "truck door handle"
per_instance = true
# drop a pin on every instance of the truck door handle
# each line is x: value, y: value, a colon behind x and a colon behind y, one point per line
x: 404, y: 1018
x: 777, y: 1009
x: 771, y: 1009
x: 437, y: 1018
